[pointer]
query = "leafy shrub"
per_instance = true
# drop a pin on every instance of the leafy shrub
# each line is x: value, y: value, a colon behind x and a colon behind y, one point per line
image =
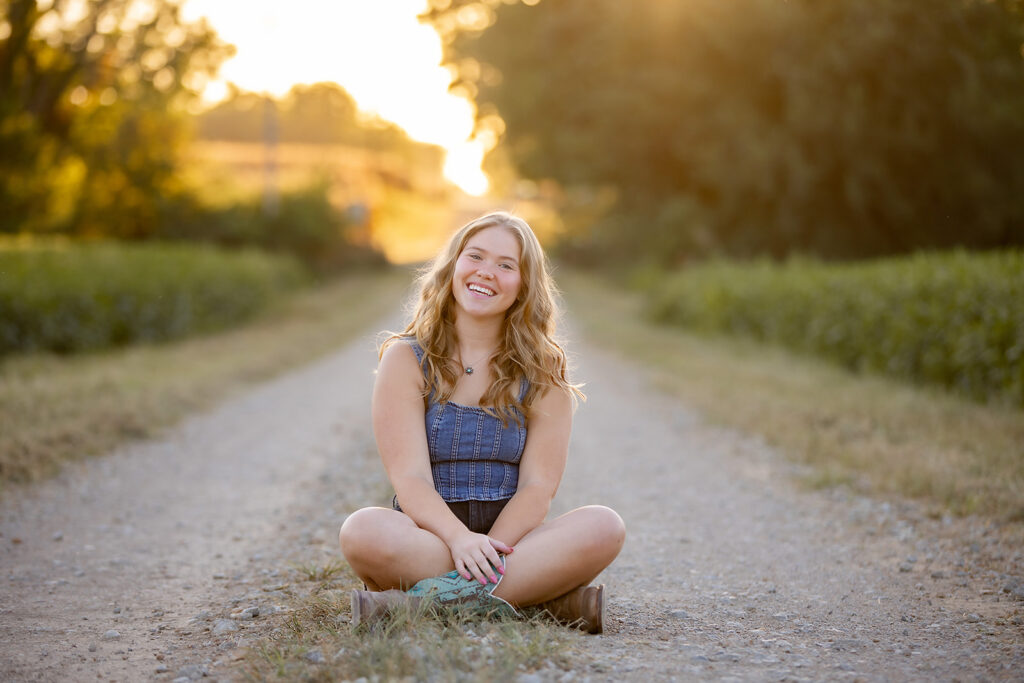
x: 952, y: 319
x: 67, y: 297
x: 305, y: 224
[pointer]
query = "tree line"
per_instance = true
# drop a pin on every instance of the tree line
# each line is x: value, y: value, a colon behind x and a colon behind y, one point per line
x: 847, y: 129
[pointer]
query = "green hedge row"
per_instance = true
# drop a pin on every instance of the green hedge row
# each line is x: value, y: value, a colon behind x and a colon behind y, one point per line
x: 954, y: 319
x: 67, y: 297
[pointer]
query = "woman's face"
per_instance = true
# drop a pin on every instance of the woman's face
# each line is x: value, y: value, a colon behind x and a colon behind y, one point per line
x: 486, y: 281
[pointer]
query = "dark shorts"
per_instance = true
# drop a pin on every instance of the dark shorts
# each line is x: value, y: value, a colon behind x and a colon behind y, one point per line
x: 477, y: 515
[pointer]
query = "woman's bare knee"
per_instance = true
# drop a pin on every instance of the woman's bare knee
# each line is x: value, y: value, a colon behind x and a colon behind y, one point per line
x: 605, y: 528
x: 361, y: 534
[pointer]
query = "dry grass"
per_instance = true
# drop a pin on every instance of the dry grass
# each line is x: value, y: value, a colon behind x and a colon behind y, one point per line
x: 316, y: 642
x: 874, y: 434
x: 53, y: 409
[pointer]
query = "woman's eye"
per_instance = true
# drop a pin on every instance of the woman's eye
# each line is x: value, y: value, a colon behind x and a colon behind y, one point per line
x: 506, y: 266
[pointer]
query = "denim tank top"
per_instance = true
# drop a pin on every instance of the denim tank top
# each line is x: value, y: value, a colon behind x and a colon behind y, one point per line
x: 472, y: 455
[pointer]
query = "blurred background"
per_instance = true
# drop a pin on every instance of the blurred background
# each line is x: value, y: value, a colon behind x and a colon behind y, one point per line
x: 648, y: 136
x: 658, y: 130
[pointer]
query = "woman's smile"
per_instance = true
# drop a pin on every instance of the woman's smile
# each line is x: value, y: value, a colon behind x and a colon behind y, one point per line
x: 487, y: 279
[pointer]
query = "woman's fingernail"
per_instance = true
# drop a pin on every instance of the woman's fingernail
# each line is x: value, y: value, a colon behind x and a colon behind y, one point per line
x: 466, y: 576
x: 501, y: 570
x: 482, y: 582
x: 494, y: 579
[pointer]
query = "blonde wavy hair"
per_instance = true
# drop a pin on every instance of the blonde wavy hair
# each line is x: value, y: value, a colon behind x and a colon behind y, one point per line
x: 527, y: 348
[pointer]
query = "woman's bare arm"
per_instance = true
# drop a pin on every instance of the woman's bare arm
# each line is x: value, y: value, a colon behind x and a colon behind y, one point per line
x: 398, y: 425
x: 541, y: 467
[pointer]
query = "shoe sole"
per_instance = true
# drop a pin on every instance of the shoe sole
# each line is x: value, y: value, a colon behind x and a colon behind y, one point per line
x: 601, y: 610
x: 357, y: 611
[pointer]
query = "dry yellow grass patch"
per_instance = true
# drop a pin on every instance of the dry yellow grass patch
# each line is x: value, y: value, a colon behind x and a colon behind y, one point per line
x: 873, y: 433
x: 54, y: 408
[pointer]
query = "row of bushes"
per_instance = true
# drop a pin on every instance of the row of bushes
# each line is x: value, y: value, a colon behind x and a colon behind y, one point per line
x: 64, y: 296
x: 304, y: 224
x: 952, y: 319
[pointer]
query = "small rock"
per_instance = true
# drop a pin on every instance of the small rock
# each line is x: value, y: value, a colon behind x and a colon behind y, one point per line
x: 972, y: 618
x: 529, y: 678
x: 247, y: 613
x: 314, y: 656
x: 220, y: 577
x: 111, y: 635
x: 906, y: 567
x: 59, y: 536
x: 162, y: 669
x: 224, y: 626
x: 679, y: 614
x: 92, y: 647
x: 192, y: 672
x: 939, y: 575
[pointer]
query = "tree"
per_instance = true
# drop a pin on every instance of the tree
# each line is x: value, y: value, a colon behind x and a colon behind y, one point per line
x: 92, y: 105
x: 847, y: 128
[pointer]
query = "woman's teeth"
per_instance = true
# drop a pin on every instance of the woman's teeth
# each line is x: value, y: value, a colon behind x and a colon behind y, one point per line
x: 481, y: 290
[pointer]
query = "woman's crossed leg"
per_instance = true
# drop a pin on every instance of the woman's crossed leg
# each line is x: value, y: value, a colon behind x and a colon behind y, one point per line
x: 387, y: 550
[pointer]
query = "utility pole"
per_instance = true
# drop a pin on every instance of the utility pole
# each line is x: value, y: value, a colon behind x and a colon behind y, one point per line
x: 271, y: 194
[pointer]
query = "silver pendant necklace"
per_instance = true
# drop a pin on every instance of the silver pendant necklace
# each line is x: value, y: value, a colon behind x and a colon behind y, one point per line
x: 469, y: 368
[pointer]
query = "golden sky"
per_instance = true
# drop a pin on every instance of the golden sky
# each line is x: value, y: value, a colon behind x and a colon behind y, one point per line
x: 376, y: 49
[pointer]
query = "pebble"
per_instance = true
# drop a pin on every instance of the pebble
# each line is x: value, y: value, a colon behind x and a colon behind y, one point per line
x: 192, y: 672
x: 111, y: 635
x: 529, y: 678
x: 314, y: 656
x: 679, y: 614
x: 59, y: 536
x: 162, y: 669
x: 92, y: 647
x: 247, y: 613
x: 224, y: 626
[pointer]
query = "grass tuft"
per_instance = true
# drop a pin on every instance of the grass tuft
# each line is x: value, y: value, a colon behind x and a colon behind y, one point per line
x: 318, y: 643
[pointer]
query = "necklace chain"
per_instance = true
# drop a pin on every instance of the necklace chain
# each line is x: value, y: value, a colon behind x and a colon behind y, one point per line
x: 469, y: 368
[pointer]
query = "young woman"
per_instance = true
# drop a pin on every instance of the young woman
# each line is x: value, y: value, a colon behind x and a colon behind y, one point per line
x: 472, y: 411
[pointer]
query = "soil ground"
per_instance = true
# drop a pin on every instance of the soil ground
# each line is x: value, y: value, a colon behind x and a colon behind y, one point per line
x: 140, y: 565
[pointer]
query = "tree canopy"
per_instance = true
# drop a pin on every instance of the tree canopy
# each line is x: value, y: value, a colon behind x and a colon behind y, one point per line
x: 92, y: 110
x: 847, y: 128
x: 322, y: 113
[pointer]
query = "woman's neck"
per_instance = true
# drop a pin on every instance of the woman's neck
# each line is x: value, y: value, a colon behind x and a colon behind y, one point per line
x: 477, y: 336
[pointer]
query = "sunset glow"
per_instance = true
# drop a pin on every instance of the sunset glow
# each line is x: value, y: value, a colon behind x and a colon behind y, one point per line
x: 378, y: 51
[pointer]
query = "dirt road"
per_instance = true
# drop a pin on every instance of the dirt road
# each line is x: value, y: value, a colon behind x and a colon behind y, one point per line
x: 147, y: 564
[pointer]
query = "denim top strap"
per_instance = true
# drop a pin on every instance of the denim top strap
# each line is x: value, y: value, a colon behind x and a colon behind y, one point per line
x: 472, y: 455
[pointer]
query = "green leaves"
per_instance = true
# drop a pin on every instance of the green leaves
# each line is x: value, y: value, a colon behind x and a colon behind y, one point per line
x: 68, y: 297
x: 950, y: 319
x: 848, y: 128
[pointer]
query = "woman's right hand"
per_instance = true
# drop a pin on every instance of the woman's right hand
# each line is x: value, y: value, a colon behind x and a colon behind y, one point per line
x: 474, y: 554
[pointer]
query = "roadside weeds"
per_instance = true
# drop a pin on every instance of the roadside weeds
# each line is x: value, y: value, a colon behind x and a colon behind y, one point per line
x: 54, y: 409
x: 877, y: 436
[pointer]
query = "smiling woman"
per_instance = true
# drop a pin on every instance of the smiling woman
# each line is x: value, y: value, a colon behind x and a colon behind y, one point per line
x: 354, y: 45
x: 472, y: 410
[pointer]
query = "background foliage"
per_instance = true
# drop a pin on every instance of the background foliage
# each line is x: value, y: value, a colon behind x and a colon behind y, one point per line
x: 954, y: 320
x: 64, y: 297
x: 92, y: 112
x: 849, y: 128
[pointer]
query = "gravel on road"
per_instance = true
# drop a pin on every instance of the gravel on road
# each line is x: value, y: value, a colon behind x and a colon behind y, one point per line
x: 164, y: 559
